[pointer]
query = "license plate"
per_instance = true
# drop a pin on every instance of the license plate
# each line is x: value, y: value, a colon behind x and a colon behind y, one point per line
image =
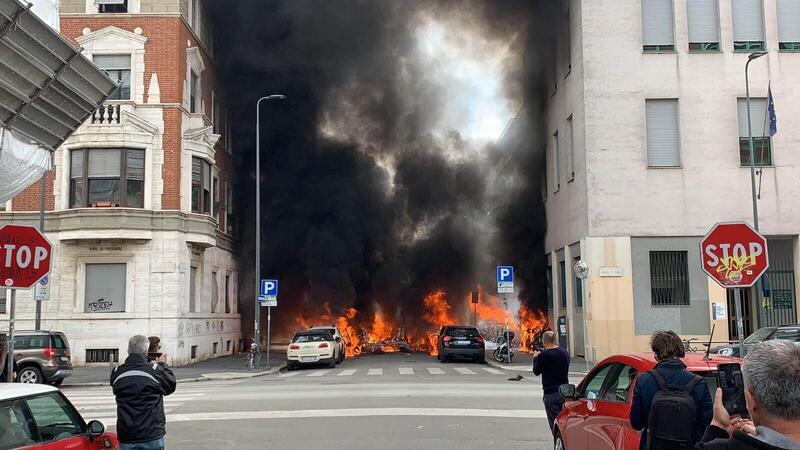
x: 65, y: 358
x: 463, y: 342
x: 308, y: 358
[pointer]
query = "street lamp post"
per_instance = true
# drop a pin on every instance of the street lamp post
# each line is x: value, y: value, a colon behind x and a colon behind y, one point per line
x: 750, y: 58
x: 257, y: 311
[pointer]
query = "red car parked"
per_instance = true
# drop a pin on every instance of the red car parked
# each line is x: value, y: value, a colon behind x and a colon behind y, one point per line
x: 597, y: 412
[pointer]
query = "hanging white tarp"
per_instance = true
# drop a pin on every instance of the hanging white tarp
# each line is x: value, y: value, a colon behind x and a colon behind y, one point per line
x: 22, y: 162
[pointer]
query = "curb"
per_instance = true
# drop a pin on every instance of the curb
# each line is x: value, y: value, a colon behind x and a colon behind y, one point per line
x: 527, y: 369
x: 200, y: 379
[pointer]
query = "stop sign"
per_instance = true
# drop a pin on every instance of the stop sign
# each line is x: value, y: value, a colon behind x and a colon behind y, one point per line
x: 734, y: 254
x: 24, y: 256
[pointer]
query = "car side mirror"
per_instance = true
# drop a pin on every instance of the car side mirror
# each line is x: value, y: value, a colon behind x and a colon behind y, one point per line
x: 95, y: 429
x: 568, y: 391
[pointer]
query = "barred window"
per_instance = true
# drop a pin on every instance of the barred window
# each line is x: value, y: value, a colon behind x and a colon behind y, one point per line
x: 669, y: 278
x: 102, y: 355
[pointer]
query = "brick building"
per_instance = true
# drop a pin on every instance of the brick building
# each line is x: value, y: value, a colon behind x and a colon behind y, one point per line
x: 140, y: 204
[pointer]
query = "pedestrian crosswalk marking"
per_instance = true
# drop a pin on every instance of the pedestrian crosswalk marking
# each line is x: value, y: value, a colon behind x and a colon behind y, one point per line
x: 464, y: 371
x: 318, y: 373
x: 375, y: 372
x: 435, y: 371
x: 406, y: 371
x: 492, y: 371
x: 288, y: 374
x: 347, y: 373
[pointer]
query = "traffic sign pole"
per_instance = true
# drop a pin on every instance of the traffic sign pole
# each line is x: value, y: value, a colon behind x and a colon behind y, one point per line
x: 269, y: 326
x: 737, y: 299
x: 10, y: 338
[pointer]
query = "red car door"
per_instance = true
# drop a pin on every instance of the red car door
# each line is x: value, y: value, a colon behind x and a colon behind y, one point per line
x: 608, y: 425
x: 575, y: 433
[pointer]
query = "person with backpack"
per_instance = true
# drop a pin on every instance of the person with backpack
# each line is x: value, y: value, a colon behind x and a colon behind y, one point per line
x: 671, y: 405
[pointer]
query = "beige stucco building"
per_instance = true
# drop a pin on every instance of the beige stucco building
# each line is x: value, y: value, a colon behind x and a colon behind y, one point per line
x: 644, y: 155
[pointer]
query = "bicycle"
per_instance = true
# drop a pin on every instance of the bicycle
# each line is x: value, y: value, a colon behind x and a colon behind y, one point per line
x: 253, y: 359
x: 687, y: 345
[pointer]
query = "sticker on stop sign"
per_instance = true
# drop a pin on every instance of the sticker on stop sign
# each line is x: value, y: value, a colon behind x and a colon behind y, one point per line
x: 734, y: 254
x: 24, y: 256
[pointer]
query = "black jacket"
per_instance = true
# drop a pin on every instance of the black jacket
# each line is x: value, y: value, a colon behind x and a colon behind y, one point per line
x: 553, y: 366
x: 674, y: 372
x: 139, y: 387
x: 716, y: 438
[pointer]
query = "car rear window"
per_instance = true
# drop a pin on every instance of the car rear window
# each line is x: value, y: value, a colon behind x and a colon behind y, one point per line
x: 59, y: 342
x: 711, y: 381
x: 462, y: 332
x: 300, y: 338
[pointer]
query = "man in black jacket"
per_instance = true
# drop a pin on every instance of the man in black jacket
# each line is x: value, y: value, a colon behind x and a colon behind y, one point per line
x: 139, y: 387
x: 552, y: 364
x: 772, y: 392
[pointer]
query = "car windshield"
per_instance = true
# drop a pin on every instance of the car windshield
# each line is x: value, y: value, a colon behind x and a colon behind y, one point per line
x: 300, y: 338
x: 759, y: 336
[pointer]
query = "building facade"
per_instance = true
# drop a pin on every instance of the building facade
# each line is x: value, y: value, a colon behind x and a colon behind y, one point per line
x: 140, y: 206
x: 647, y: 150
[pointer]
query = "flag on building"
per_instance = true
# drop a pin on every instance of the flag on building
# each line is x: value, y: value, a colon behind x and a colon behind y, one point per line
x: 773, y: 120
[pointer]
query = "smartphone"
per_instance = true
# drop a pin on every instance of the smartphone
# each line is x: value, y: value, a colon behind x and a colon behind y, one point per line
x: 730, y: 380
x: 154, y: 355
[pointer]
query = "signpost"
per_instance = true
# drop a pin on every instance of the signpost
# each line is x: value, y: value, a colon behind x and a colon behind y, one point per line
x: 24, y: 260
x: 505, y: 285
x: 268, y: 296
x: 735, y: 256
x: 581, y: 270
x: 41, y: 292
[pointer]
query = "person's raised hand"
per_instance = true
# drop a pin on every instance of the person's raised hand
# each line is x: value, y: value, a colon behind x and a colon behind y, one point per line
x: 721, y: 417
x: 162, y: 358
x: 536, y: 353
x: 746, y: 426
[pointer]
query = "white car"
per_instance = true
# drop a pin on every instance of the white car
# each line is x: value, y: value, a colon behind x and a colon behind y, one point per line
x: 312, y: 347
x: 337, y: 336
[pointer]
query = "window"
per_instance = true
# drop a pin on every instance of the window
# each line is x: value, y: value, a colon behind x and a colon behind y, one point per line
x: 703, y: 18
x: 194, y: 87
x: 118, y: 67
x: 227, y: 346
x: 112, y: 6
x: 669, y: 278
x: 619, y: 385
x: 545, y: 183
x: 215, y: 194
x: 17, y: 432
x: 102, y: 355
x: 663, y: 138
x: 3, y: 297
x: 748, y: 25
x: 657, y: 26
x: 192, y: 289
x: 578, y: 288
x: 105, y: 288
x: 562, y: 275
x: 762, y: 142
x: 227, y: 294
x: 215, y: 348
x: 228, y: 132
x: 594, y: 384
x: 789, y: 25
x: 787, y: 334
x: 230, y: 219
x: 194, y: 352
x: 549, y: 287
x: 557, y: 162
x: 565, y: 46
x: 215, y: 118
x: 54, y: 418
x: 201, y: 186
x: 214, y: 292
x: 98, y: 175
x: 571, y: 149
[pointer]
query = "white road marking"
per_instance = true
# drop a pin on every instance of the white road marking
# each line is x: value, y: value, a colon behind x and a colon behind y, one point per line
x: 435, y: 371
x: 318, y: 373
x: 464, y: 371
x: 375, y: 372
x: 288, y: 374
x: 492, y: 371
x: 346, y: 373
x: 360, y: 412
x: 406, y: 371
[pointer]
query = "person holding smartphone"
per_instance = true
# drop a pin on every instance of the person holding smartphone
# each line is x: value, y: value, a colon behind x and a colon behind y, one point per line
x: 771, y: 375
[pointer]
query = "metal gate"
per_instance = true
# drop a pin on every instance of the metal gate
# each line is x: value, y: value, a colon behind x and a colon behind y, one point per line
x: 781, y: 305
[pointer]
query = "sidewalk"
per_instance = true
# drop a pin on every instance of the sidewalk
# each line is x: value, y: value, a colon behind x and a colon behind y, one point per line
x: 523, y: 362
x: 223, y: 368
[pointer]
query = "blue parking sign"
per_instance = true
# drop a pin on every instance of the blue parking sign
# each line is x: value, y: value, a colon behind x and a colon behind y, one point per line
x: 505, y: 274
x: 269, y: 288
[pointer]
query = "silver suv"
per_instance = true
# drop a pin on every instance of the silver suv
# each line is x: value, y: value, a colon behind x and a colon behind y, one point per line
x: 41, y: 356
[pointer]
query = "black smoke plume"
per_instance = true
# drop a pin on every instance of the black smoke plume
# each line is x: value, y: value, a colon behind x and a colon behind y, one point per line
x: 363, y: 204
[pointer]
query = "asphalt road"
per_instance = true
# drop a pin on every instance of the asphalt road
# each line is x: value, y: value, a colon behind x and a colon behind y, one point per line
x: 393, y: 401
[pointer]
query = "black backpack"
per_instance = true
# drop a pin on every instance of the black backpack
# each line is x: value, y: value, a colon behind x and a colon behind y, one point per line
x: 673, y: 415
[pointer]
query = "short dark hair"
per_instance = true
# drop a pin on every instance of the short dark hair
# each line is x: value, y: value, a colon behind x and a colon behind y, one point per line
x: 667, y: 345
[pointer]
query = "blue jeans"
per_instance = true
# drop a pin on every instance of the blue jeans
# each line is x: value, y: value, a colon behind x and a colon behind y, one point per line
x: 157, y: 444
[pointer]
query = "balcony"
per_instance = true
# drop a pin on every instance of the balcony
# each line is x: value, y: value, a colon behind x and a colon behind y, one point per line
x: 107, y: 114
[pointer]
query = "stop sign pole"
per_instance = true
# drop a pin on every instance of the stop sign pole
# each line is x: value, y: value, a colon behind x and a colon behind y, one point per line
x: 25, y: 255
x: 735, y: 256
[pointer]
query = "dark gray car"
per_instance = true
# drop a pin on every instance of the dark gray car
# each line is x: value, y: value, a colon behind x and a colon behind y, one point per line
x: 784, y: 332
x: 41, y: 356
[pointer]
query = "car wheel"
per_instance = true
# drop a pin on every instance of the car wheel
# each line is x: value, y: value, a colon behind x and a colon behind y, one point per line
x: 290, y: 367
x: 559, y: 442
x: 332, y: 363
x: 481, y: 360
x: 30, y: 375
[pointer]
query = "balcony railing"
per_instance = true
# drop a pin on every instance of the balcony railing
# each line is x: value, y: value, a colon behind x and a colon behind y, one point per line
x: 106, y: 114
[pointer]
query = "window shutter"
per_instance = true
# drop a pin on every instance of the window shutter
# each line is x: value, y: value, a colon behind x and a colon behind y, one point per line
x: 789, y: 20
x: 748, y: 20
x: 104, y: 163
x: 76, y: 164
x: 657, y: 25
x: 105, y: 287
x: 197, y: 170
x: 663, y: 139
x: 134, y: 169
x: 758, y: 117
x: 703, y: 20
x: 112, y: 62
